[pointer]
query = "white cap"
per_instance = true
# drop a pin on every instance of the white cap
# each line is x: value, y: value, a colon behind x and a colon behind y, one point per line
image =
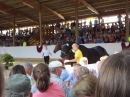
x: 55, y: 64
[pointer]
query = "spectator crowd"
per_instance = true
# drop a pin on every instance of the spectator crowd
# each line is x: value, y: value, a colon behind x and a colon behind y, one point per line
x: 20, y: 37
x: 101, y: 79
x: 93, y: 33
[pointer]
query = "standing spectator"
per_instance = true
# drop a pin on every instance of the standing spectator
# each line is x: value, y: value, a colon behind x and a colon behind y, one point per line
x: 46, y: 88
x: 45, y: 54
x: 102, y: 21
x: 95, y: 21
x: 108, y: 27
x: 119, y: 20
x: 90, y: 24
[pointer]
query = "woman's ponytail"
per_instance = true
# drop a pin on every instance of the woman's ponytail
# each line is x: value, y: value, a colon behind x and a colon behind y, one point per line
x: 43, y: 82
x: 41, y: 75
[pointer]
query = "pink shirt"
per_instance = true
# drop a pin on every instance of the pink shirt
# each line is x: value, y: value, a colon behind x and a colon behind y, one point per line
x: 53, y: 91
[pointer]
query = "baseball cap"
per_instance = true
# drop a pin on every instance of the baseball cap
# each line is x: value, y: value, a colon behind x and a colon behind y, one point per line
x: 17, y: 85
x: 55, y: 64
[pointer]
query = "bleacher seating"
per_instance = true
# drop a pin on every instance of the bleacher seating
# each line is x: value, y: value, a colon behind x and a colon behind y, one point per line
x: 47, y: 34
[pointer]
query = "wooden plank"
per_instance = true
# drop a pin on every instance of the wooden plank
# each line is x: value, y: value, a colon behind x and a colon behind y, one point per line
x: 33, y: 4
x: 89, y: 7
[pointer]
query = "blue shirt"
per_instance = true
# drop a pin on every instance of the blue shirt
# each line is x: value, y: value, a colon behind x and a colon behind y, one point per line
x: 98, y: 41
x: 72, y: 79
x: 79, y: 41
x: 64, y: 75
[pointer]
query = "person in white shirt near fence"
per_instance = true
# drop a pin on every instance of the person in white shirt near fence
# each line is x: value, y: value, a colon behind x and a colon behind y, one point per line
x: 45, y: 54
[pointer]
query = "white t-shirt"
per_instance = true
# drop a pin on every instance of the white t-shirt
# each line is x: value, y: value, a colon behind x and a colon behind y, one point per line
x: 46, y: 52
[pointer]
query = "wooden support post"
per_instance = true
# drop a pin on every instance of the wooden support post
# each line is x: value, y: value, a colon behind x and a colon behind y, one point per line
x: 40, y: 26
x: 77, y: 22
x: 99, y: 19
x: 13, y: 30
x: 127, y: 19
x: 1, y: 31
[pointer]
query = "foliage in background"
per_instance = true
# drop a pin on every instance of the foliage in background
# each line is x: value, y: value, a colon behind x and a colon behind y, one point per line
x: 7, y: 59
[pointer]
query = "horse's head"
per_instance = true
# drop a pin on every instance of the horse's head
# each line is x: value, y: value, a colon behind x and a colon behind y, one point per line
x: 57, y: 47
x: 66, y: 51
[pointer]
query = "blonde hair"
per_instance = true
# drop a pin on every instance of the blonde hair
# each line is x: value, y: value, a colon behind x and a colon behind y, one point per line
x: 103, y: 58
x: 82, y: 60
x: 85, y: 86
x: 75, y: 44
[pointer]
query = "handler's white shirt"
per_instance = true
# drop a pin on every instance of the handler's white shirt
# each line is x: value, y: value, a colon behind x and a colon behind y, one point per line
x: 46, y: 52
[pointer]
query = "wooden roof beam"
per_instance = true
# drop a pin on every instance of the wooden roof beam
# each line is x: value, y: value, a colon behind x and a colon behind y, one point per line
x: 52, y: 11
x: 41, y: 7
x: 6, y: 10
x: 8, y: 21
x: 31, y: 4
x: 89, y: 7
x: 28, y: 17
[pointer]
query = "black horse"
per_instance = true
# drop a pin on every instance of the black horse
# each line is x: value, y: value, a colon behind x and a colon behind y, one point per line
x: 93, y: 54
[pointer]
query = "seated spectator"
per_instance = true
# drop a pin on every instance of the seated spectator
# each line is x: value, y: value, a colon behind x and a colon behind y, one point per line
x: 110, y: 82
x: 56, y: 69
x: 79, y: 73
x: 79, y: 40
x: 98, y: 40
x: 65, y: 74
x: 111, y: 39
x: 2, y: 82
x: 85, y: 87
x: 28, y: 69
x: 84, y: 62
x: 17, y: 84
x: 46, y: 88
x: 24, y: 43
x: 17, y: 69
x: 71, y: 80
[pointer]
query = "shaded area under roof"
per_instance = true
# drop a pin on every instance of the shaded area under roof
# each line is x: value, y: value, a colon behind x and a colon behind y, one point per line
x: 27, y: 16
